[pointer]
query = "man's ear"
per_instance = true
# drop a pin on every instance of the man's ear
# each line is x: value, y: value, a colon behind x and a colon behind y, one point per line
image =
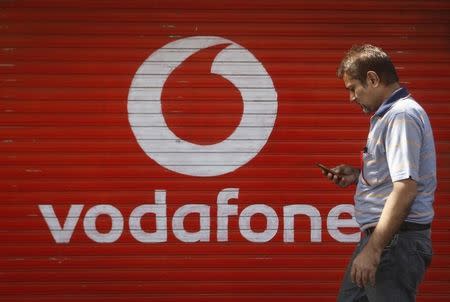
x: 372, y: 78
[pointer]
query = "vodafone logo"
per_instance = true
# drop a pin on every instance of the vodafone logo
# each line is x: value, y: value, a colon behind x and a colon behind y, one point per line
x: 160, y: 143
x: 241, y: 69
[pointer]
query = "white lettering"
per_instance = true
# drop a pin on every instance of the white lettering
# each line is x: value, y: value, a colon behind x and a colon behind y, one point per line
x: 61, y: 234
x: 160, y: 210
x: 272, y: 223
x: 178, y: 223
x: 116, y: 227
x: 224, y: 210
x: 310, y: 211
x: 333, y: 223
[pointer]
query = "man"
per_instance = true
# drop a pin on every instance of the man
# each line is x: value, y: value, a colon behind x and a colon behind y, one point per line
x: 395, y: 184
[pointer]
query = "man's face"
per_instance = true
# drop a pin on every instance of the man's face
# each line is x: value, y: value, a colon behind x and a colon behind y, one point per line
x: 364, y: 96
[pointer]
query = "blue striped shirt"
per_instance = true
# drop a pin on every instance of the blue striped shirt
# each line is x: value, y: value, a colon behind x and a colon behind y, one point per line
x: 400, y: 145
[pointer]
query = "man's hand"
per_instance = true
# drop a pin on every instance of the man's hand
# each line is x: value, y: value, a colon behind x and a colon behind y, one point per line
x: 365, y: 266
x: 347, y: 175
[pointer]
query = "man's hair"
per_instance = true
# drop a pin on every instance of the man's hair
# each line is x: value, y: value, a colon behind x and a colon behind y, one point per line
x: 363, y: 58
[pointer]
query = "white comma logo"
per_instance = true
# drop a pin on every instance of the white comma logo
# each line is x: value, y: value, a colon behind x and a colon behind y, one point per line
x: 234, y: 63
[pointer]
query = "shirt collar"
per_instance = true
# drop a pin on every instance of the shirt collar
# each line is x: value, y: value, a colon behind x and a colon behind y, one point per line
x: 398, y: 94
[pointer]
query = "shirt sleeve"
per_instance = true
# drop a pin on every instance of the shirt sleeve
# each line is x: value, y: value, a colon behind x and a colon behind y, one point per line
x: 403, y: 146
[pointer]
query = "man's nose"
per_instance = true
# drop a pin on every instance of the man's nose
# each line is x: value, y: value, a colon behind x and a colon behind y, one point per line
x: 352, y: 97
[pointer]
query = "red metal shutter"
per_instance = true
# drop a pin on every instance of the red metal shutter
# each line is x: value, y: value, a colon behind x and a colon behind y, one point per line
x: 76, y: 119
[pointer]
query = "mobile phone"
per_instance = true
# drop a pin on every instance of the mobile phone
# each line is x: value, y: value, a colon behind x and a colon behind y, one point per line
x: 328, y: 170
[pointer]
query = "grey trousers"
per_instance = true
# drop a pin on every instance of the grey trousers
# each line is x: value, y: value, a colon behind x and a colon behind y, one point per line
x: 402, y: 267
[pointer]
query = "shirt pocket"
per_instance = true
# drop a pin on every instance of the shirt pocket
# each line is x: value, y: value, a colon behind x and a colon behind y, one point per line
x: 370, y: 169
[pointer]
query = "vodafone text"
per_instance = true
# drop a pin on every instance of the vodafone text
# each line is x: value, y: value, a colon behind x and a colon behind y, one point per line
x: 63, y: 234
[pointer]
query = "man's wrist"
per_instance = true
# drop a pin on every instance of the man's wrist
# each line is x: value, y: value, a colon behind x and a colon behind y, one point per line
x: 373, y: 247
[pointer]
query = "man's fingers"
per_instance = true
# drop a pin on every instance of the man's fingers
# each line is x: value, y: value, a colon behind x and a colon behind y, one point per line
x: 353, y: 274
x: 340, y: 181
x: 359, y: 278
x: 356, y: 275
x: 365, y: 278
x: 339, y: 169
x: 372, y: 278
x: 363, y: 270
x: 362, y: 278
x: 343, y: 182
x: 326, y: 174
